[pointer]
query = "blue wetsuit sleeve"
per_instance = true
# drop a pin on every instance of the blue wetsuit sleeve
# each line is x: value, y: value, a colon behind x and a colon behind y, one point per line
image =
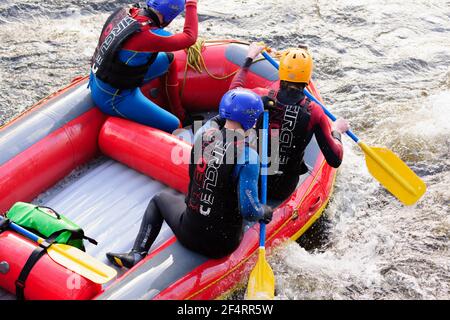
x: 247, y: 173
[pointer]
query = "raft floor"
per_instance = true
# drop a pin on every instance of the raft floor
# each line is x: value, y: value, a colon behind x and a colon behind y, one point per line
x: 108, y: 201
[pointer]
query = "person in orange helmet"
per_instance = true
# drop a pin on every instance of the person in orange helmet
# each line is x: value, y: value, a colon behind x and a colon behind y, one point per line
x: 296, y: 118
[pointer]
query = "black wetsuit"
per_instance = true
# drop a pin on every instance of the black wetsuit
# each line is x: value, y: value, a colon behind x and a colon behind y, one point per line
x: 211, y: 219
x: 297, y: 124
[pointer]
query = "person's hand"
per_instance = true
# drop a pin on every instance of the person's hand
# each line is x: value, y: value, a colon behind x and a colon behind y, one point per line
x: 267, y: 215
x: 255, y: 49
x: 268, y: 102
x: 341, y: 126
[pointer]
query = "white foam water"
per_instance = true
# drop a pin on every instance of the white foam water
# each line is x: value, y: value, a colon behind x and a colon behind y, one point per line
x: 381, y: 64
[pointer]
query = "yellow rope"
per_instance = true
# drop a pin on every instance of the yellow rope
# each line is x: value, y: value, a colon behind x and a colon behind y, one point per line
x: 196, y: 61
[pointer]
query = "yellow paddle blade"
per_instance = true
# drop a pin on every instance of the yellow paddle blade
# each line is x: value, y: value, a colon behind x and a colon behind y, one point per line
x: 81, y: 263
x: 261, y: 284
x: 393, y: 174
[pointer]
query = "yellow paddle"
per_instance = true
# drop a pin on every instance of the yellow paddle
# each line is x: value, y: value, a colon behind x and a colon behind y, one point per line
x: 261, y: 284
x: 387, y: 168
x: 72, y: 258
x: 382, y: 163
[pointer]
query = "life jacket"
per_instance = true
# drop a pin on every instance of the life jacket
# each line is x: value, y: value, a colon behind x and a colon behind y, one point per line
x: 212, y: 200
x: 106, y: 64
x: 292, y: 122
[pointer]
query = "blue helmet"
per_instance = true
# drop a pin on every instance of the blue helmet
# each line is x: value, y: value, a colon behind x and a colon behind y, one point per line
x: 169, y: 9
x: 241, y: 105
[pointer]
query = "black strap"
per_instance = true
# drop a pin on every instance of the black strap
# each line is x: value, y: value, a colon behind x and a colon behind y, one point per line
x: 152, y: 15
x: 4, y: 224
x: 76, y: 235
x: 58, y: 216
x: 37, y: 254
x: 91, y: 240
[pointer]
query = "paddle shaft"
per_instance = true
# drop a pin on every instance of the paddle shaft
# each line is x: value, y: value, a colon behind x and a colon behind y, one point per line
x: 261, y: 284
x: 264, y: 151
x: 402, y: 181
x: 22, y: 231
x: 367, y: 150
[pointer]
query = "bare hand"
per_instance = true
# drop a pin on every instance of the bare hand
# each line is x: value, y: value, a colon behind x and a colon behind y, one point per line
x: 341, y: 126
x: 254, y: 50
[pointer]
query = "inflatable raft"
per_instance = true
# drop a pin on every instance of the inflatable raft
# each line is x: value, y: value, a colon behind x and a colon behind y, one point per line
x: 101, y: 172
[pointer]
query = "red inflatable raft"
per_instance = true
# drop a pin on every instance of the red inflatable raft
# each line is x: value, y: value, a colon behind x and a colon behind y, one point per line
x: 65, y: 131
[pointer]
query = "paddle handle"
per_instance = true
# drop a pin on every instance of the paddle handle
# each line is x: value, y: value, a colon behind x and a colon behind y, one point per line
x: 22, y: 231
x: 311, y: 97
x: 264, y: 151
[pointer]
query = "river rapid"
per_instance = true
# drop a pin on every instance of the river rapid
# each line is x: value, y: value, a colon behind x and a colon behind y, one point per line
x: 383, y: 65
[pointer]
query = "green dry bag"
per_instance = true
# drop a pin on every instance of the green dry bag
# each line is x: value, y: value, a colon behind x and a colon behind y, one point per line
x: 47, y: 223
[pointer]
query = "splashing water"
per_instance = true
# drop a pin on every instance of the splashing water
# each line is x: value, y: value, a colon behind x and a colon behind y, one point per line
x: 381, y: 64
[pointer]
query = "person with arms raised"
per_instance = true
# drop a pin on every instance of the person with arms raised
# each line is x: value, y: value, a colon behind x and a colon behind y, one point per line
x: 133, y: 49
x: 296, y: 119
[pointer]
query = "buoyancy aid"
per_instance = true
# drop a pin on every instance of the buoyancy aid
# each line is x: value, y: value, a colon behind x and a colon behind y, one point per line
x: 212, y: 200
x: 106, y: 65
x: 292, y: 122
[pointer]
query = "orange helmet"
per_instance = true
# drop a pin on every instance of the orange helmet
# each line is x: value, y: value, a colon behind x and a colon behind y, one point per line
x: 296, y: 65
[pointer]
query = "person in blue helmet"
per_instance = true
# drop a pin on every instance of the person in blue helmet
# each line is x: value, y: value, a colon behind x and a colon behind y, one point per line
x: 223, y: 188
x: 133, y: 49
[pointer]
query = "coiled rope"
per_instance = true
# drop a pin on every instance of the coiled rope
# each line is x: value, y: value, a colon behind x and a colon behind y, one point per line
x: 196, y: 61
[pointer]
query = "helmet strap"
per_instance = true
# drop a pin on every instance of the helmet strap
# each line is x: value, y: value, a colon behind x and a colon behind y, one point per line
x: 149, y: 12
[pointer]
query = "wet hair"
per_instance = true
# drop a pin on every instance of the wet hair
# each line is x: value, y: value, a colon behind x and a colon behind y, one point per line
x: 291, y: 92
